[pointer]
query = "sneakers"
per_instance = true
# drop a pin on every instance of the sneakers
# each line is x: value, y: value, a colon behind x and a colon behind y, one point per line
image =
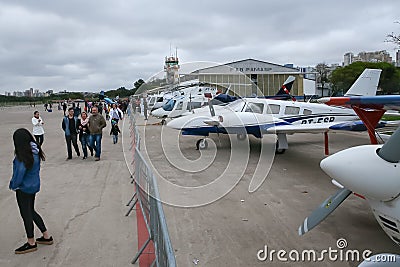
x: 44, y: 241
x: 26, y: 248
x: 84, y: 157
x: 97, y: 159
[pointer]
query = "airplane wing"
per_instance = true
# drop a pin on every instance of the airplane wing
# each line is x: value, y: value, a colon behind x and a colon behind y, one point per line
x: 324, y: 127
x: 369, y: 109
x: 386, y: 102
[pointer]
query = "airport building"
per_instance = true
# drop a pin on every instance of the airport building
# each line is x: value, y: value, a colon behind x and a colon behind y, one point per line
x: 245, y: 77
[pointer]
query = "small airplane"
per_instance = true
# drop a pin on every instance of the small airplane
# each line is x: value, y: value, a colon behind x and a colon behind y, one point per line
x: 356, y: 170
x: 184, y: 101
x: 195, y: 97
x: 278, y: 117
x: 370, y: 162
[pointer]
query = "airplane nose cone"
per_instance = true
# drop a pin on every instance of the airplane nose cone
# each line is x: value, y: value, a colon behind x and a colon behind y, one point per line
x: 361, y: 170
x: 157, y: 112
x: 336, y: 167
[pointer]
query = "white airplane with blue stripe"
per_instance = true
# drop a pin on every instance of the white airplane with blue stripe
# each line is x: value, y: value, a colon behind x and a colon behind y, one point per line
x: 258, y: 116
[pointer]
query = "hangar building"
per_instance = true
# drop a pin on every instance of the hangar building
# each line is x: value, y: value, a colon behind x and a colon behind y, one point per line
x: 268, y: 77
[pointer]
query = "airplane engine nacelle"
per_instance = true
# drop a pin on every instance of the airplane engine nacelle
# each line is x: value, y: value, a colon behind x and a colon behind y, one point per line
x: 388, y: 216
x: 361, y: 170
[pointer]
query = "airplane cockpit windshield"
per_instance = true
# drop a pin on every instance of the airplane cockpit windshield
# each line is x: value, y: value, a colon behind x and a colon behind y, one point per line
x: 236, y: 106
x: 169, y: 105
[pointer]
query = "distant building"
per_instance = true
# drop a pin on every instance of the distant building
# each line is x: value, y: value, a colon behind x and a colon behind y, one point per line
x: 245, y: 77
x: 377, y: 56
x: 348, y: 58
x: 18, y: 94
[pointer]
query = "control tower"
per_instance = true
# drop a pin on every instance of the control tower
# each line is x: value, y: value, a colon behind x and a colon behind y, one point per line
x: 171, y: 69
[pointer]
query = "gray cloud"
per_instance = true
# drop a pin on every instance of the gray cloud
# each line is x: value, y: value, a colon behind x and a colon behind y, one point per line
x: 94, y: 45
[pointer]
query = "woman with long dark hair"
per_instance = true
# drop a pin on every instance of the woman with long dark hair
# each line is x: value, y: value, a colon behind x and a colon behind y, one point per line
x: 26, y: 183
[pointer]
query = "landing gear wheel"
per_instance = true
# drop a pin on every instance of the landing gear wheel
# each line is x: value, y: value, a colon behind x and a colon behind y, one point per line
x: 201, y: 144
x: 241, y: 137
x: 277, y: 150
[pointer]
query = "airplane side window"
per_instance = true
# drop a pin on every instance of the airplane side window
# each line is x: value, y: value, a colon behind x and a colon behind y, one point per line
x: 255, y: 107
x: 307, y: 112
x: 179, y: 106
x: 292, y: 110
x: 275, y: 109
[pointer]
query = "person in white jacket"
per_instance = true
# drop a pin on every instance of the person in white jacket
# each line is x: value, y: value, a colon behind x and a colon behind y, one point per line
x: 115, y: 113
x: 38, y: 130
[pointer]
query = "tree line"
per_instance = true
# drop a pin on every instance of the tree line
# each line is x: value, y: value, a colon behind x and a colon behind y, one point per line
x: 343, y: 77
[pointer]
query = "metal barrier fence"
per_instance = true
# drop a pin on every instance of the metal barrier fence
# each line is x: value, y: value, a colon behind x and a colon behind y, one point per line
x: 148, y: 197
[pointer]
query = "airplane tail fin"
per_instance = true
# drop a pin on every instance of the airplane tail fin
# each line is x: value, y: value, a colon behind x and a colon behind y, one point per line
x: 286, y: 86
x: 366, y: 84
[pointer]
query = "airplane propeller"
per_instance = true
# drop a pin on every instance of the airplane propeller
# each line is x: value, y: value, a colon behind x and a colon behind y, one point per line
x: 211, y: 107
x: 213, y: 122
x: 389, y: 152
x: 323, y: 211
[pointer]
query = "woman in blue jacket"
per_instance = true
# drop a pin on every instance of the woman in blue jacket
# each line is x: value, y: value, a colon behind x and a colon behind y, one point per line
x: 26, y: 183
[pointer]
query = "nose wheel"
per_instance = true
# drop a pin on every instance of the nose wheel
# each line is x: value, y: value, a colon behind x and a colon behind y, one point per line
x: 201, y: 144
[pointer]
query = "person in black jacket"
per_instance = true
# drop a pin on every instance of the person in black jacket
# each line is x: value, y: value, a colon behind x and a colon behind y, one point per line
x: 114, y: 131
x: 70, y: 126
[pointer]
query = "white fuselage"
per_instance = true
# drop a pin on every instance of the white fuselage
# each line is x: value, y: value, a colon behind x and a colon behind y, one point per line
x: 291, y: 112
x: 185, y: 101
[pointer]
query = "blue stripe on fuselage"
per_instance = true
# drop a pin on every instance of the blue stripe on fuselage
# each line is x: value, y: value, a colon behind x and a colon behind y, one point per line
x: 255, y: 130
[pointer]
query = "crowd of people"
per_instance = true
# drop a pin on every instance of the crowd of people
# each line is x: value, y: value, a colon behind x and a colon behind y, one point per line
x: 77, y: 125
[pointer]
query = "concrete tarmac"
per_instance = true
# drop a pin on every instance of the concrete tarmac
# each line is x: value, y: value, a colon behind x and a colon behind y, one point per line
x: 231, y: 230
x: 81, y: 201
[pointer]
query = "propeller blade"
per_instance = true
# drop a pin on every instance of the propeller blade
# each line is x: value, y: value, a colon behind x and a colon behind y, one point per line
x: 212, y: 111
x: 390, y: 151
x: 326, y: 208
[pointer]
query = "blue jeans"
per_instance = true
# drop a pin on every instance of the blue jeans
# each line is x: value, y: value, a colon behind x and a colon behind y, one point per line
x: 95, y: 142
x: 85, y: 140
x: 115, y: 138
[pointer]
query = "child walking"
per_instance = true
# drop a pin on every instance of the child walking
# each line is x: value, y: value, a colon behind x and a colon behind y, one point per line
x: 114, y: 131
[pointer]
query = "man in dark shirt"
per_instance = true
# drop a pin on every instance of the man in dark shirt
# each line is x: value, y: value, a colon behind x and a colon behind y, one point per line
x: 69, y: 125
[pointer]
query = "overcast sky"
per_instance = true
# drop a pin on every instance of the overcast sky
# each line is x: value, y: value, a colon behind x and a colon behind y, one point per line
x: 87, y: 45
